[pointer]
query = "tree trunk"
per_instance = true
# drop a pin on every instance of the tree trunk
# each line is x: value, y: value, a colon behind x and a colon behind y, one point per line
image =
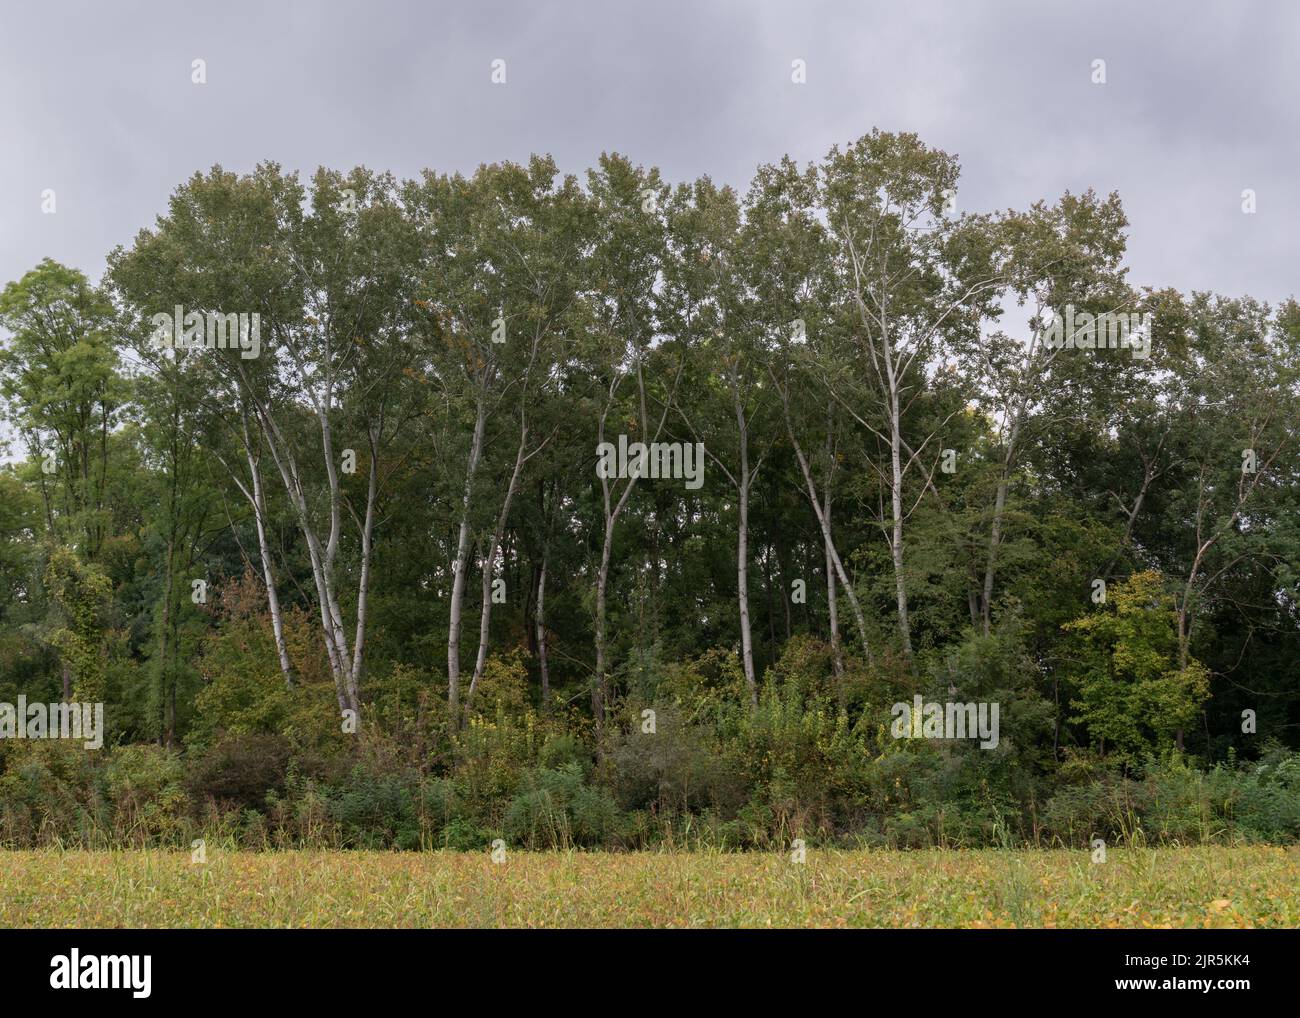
x: 164, y: 630
x: 995, y: 537
x: 599, y: 692
x: 742, y: 552
x: 995, y: 528
x: 541, y: 632
x: 829, y: 542
x: 832, y: 603
x: 742, y: 583
x: 367, y: 550
x: 896, y: 537
x: 268, y: 576
x: 489, y: 567
x: 322, y: 559
x: 462, y: 559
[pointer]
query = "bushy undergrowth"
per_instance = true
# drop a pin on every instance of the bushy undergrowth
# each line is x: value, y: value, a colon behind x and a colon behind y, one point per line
x: 704, y: 769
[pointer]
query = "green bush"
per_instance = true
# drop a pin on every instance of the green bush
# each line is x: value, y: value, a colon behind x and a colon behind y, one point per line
x: 48, y: 795
x: 377, y: 811
x: 144, y: 785
x: 241, y: 770
x: 556, y: 810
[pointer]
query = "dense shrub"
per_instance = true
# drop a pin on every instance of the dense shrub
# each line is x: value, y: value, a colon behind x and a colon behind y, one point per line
x: 48, y: 795
x: 241, y: 769
x: 377, y: 811
x: 145, y: 789
x: 557, y: 809
x: 811, y: 760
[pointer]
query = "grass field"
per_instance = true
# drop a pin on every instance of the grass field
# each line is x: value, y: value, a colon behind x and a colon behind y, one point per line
x: 1187, y: 887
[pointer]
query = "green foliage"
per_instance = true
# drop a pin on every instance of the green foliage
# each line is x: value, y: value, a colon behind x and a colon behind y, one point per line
x: 1133, y: 694
x: 81, y: 593
x: 396, y: 516
x: 557, y: 809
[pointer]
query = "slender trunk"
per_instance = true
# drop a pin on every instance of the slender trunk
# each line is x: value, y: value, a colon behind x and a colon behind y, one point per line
x: 742, y: 582
x: 340, y: 638
x: 849, y: 592
x: 164, y: 631
x: 832, y: 603
x: 542, y: 664
x: 896, y: 537
x: 171, y: 712
x: 462, y: 559
x: 337, y: 655
x: 489, y: 568
x: 742, y: 553
x: 331, y: 629
x: 1132, y: 517
x: 367, y: 551
x: 611, y: 511
x: 173, y: 671
x: 321, y: 559
x: 995, y: 538
x: 1056, y: 716
x: 344, y: 667
x: 829, y: 542
x: 995, y: 528
x: 334, y: 617
x: 599, y: 693
x: 268, y: 575
x: 1149, y: 474
x: 1185, y: 613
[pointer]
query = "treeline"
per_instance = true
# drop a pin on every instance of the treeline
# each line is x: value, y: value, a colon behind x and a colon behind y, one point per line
x: 607, y: 511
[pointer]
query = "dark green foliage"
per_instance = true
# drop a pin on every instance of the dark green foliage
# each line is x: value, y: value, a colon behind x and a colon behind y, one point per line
x: 194, y: 538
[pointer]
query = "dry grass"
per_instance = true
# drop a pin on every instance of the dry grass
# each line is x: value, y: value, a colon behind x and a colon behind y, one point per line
x: 1178, y: 887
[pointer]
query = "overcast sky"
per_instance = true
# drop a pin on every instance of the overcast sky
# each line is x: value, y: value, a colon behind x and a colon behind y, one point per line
x: 1201, y: 101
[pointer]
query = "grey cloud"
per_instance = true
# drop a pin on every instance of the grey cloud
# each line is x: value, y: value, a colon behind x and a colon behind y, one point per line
x: 1200, y: 103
